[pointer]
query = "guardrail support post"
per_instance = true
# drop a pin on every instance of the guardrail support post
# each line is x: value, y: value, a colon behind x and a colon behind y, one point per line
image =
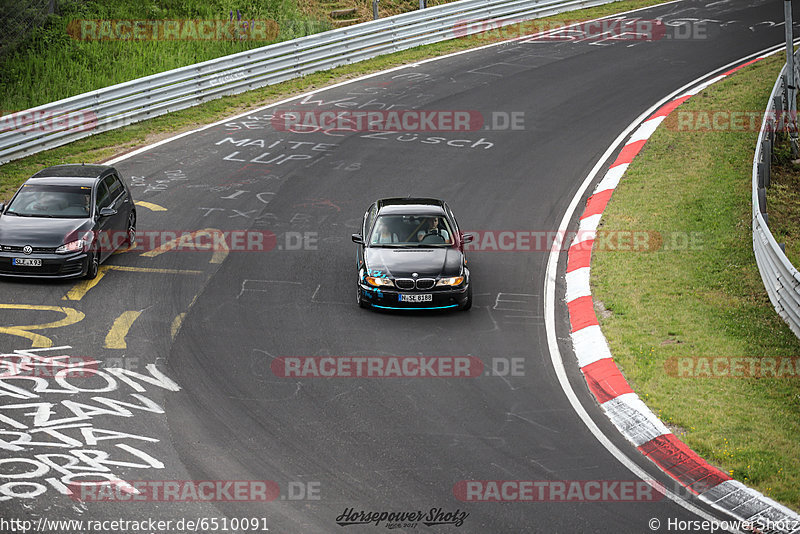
x: 766, y: 157
x: 777, y: 104
x: 375, y: 9
x: 422, y: 4
x: 763, y: 174
x: 762, y: 200
x: 791, y: 88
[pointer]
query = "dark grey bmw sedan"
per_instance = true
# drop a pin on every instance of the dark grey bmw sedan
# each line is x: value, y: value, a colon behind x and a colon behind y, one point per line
x: 64, y: 221
x: 411, y: 257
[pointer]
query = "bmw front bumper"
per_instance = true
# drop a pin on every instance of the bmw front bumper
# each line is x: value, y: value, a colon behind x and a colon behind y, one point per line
x: 441, y: 298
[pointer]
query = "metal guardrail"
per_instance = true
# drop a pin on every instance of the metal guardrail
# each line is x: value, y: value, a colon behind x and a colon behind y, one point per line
x: 144, y: 98
x: 780, y: 277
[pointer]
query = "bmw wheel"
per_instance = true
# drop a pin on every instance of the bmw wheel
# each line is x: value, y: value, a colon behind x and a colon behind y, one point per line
x: 360, y: 299
x: 468, y: 304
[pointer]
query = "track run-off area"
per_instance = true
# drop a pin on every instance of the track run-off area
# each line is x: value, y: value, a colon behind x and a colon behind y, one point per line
x: 184, y: 399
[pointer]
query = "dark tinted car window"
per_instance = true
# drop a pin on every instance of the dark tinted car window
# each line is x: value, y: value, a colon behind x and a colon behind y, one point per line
x: 411, y: 230
x: 369, y: 219
x: 51, y: 201
x: 103, y: 199
x: 114, y: 186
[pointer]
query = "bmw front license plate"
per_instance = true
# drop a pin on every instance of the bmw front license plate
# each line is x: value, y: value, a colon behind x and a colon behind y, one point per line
x: 424, y: 297
x: 27, y: 262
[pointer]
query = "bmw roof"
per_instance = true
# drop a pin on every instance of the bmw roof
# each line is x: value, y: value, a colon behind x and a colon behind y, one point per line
x: 416, y: 206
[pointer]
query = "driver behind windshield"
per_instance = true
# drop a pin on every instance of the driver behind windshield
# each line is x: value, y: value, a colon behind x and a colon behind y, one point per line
x: 411, y: 230
x: 432, y: 227
x: 47, y: 202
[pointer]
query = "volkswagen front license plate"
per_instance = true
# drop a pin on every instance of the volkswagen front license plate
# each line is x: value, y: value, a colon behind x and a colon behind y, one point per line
x: 27, y: 262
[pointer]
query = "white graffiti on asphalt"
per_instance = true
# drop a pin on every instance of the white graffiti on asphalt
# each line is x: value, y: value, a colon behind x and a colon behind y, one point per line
x: 50, y: 440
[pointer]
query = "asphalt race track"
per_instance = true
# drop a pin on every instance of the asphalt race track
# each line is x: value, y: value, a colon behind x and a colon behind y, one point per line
x: 214, y: 322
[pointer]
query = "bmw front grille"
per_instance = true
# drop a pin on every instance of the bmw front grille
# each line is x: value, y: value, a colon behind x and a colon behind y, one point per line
x: 410, y: 283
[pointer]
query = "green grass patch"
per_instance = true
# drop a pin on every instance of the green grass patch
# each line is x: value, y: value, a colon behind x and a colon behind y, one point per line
x: 49, y: 63
x: 783, y: 200
x: 700, y: 295
x: 105, y: 145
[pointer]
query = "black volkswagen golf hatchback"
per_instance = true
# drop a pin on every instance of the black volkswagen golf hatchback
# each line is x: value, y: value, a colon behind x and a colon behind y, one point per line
x: 64, y: 221
x: 411, y: 257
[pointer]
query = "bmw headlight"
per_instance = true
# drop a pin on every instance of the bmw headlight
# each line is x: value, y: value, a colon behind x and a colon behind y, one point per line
x: 379, y: 281
x: 452, y: 281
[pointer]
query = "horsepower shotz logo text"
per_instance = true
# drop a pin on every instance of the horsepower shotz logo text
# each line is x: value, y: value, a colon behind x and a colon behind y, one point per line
x: 403, y: 519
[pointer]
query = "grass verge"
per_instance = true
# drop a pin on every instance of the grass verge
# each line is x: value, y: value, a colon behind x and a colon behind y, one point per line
x: 103, y: 146
x: 76, y: 49
x: 700, y: 295
x: 783, y: 200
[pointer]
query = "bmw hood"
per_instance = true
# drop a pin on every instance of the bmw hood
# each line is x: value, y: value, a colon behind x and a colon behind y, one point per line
x: 403, y: 262
x: 47, y: 232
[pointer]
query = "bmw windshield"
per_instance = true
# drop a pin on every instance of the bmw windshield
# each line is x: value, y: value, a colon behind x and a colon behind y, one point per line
x: 57, y: 201
x: 410, y: 231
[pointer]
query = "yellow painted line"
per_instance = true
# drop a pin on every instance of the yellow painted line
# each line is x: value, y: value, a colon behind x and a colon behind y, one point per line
x: 123, y: 250
x: 71, y: 316
x: 115, y: 339
x: 150, y: 206
x: 152, y: 270
x: 176, y: 324
x: 80, y: 289
x: 189, y: 240
x: 178, y: 321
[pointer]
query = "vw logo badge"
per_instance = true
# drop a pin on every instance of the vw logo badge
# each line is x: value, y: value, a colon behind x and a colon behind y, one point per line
x: 27, y: 249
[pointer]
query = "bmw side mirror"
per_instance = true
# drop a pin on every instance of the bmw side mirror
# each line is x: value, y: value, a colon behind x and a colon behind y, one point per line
x: 107, y: 212
x: 2, y: 207
x: 358, y: 239
x: 467, y: 238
